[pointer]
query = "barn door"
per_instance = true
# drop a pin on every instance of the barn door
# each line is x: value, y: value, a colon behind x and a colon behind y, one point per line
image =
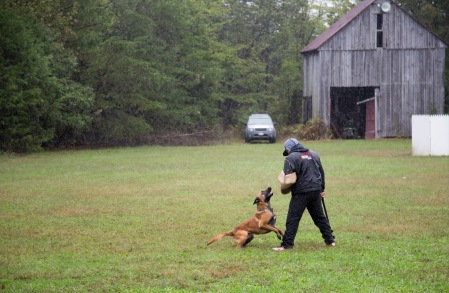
x: 370, y: 115
x: 370, y: 124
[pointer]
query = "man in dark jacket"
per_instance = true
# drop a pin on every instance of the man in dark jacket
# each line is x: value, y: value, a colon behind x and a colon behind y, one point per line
x: 306, y: 192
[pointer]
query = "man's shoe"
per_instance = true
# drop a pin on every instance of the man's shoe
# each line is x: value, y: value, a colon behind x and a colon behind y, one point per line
x: 330, y: 244
x: 280, y: 248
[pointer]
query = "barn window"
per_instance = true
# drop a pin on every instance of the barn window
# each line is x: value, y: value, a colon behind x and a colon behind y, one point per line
x: 380, y: 21
x: 380, y: 25
x: 379, y: 39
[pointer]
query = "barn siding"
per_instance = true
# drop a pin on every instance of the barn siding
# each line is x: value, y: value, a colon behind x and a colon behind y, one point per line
x: 408, y: 70
x: 403, y: 32
x: 407, y: 80
x: 312, y: 81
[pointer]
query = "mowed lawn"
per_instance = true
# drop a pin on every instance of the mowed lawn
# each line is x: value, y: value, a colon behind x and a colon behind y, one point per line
x: 138, y: 219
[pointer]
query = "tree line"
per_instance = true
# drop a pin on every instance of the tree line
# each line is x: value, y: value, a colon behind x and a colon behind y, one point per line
x: 125, y: 72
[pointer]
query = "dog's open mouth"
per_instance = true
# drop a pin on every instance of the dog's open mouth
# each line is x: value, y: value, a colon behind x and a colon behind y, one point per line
x: 267, y: 194
x: 267, y: 191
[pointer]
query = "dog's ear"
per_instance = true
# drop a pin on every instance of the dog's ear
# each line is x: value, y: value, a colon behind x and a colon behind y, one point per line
x: 257, y: 200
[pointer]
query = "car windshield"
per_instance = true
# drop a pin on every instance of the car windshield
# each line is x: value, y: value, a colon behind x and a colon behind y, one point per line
x: 260, y: 121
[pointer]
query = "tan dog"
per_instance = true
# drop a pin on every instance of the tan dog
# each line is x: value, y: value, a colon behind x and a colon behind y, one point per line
x: 262, y: 222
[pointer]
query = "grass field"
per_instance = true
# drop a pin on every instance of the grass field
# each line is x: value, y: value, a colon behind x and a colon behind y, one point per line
x: 138, y: 219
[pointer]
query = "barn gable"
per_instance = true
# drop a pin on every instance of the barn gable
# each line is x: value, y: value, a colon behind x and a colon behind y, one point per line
x: 371, y: 70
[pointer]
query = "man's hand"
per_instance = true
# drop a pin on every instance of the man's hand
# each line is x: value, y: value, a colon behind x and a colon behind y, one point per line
x: 323, y: 194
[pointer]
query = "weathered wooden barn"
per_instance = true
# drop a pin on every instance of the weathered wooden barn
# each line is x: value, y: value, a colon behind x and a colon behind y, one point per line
x: 371, y: 70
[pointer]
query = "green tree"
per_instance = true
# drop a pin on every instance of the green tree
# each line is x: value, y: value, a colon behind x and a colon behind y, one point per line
x: 152, y: 67
x: 247, y: 31
x: 35, y: 79
x: 286, y: 61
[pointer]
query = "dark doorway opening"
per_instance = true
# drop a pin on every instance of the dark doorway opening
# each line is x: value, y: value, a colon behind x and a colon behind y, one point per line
x: 348, y: 119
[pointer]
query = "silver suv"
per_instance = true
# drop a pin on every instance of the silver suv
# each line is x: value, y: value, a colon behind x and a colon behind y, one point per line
x: 260, y: 127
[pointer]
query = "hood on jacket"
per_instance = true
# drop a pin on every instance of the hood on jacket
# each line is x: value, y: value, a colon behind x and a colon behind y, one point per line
x: 293, y: 145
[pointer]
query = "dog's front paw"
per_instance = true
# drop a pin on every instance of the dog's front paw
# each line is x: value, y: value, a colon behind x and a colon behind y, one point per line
x: 280, y: 234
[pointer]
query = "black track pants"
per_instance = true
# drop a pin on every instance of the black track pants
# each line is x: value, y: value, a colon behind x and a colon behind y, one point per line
x: 298, y: 203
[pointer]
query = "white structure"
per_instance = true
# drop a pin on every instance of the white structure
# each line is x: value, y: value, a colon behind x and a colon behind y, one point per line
x: 430, y: 135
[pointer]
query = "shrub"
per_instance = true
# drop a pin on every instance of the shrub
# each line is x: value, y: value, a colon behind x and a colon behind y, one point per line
x: 315, y: 129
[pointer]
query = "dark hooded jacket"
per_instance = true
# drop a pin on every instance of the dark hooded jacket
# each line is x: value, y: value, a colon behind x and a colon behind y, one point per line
x: 309, y: 172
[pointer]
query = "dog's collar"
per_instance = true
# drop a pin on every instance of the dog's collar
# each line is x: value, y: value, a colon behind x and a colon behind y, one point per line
x: 262, y: 210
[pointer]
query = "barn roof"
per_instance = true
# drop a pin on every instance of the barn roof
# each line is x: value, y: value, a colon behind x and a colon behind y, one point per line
x: 337, y: 26
x: 342, y: 22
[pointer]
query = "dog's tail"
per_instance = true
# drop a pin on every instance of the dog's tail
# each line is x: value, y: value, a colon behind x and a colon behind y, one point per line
x: 219, y: 236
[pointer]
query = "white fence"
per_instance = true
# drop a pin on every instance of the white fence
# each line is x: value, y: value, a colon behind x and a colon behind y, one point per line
x: 430, y: 135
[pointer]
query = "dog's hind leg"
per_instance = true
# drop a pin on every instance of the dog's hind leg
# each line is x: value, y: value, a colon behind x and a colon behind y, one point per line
x: 241, y: 238
x: 249, y: 239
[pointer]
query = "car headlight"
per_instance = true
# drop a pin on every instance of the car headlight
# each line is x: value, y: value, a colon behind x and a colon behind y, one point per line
x: 251, y: 129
